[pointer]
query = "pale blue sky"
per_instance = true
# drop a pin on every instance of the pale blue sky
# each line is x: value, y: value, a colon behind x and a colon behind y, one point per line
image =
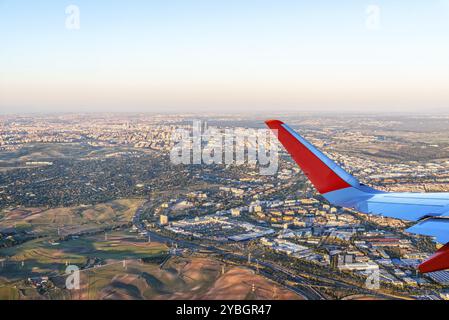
x: 233, y: 55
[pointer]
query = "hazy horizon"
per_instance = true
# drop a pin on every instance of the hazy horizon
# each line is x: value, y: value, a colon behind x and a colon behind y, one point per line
x: 231, y: 57
x: 260, y: 115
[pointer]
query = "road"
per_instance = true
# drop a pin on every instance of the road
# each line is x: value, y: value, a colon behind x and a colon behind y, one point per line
x: 303, y: 287
x: 278, y: 273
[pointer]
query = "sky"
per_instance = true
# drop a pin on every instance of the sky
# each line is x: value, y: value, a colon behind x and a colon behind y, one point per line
x: 224, y: 56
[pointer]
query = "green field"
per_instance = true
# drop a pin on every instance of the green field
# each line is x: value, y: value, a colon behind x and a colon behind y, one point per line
x: 69, y: 221
x: 42, y: 257
x: 112, y: 278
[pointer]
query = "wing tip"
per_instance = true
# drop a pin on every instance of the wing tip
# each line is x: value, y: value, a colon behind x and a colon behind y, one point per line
x: 274, y: 124
x: 439, y: 261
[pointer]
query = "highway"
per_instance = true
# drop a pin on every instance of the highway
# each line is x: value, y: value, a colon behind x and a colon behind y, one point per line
x: 278, y: 273
x: 303, y: 288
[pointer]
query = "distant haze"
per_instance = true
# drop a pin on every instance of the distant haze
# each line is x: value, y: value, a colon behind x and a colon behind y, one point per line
x: 225, y: 56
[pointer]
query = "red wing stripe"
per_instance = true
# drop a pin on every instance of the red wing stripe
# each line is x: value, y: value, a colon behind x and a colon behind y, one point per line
x: 322, y: 177
x: 439, y: 261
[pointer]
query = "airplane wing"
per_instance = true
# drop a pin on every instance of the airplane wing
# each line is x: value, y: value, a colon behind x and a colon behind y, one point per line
x: 430, y: 211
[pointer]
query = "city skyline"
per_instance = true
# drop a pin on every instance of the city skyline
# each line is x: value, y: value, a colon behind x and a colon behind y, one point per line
x: 198, y: 56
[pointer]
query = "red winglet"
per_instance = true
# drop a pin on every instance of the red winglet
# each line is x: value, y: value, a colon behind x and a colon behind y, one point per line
x: 323, y: 178
x: 439, y: 261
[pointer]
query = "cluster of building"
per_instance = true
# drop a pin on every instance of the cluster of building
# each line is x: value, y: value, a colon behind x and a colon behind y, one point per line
x: 139, y: 131
x: 218, y: 227
x: 304, y: 212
